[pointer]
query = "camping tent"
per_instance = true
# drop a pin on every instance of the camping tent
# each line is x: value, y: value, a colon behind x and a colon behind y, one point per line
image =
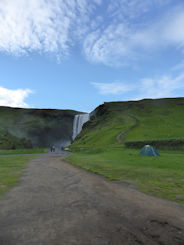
x: 149, y: 150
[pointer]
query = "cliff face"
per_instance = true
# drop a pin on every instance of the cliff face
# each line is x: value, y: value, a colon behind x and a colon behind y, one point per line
x: 26, y: 128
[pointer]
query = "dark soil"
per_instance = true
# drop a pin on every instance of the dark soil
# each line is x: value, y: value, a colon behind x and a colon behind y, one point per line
x: 56, y: 203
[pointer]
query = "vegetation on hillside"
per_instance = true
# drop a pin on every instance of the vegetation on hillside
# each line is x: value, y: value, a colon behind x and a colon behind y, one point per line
x: 114, y: 123
x: 27, y: 128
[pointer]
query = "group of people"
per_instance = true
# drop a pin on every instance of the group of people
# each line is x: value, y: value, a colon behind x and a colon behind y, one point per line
x: 53, y: 148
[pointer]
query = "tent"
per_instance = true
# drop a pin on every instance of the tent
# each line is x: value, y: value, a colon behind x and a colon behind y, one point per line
x: 149, y: 150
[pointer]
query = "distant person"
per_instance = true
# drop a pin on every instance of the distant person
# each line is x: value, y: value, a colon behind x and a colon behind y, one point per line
x: 50, y: 148
x: 53, y: 148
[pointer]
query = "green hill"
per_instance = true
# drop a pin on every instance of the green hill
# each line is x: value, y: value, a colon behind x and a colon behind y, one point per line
x: 100, y: 147
x: 114, y: 123
x: 27, y: 128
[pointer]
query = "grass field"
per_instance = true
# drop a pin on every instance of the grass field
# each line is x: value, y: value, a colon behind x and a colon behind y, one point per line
x: 158, y: 176
x: 23, y: 151
x: 10, y: 171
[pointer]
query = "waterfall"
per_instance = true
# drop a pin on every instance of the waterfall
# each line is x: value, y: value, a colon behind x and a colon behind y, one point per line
x: 78, y: 122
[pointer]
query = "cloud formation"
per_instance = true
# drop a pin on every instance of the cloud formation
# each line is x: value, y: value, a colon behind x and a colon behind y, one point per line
x: 164, y: 86
x: 41, y: 25
x: 14, y: 98
x: 122, y: 40
x: 112, y: 88
x: 123, y: 32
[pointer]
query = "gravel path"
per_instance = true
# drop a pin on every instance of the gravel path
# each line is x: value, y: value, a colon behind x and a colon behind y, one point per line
x: 56, y: 203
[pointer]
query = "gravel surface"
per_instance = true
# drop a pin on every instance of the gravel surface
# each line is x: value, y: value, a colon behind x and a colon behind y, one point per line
x: 56, y: 203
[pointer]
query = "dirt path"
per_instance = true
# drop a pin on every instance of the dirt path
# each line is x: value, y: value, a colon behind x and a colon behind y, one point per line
x: 56, y: 203
x: 122, y: 135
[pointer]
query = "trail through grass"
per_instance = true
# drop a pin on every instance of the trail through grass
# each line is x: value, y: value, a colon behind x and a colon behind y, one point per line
x: 159, y: 176
x: 10, y: 171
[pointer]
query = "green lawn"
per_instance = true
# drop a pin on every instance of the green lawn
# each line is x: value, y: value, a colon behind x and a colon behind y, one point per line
x: 159, y: 176
x: 10, y: 170
x: 23, y: 151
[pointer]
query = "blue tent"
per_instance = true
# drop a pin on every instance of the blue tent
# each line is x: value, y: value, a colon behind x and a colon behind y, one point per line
x: 149, y: 150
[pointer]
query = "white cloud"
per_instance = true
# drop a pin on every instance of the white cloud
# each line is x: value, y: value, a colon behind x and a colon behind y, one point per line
x: 126, y: 9
x: 122, y: 42
x: 112, y: 88
x: 165, y: 32
x: 173, y: 31
x: 41, y: 25
x: 164, y: 86
x: 179, y: 66
x: 14, y: 98
x: 119, y: 34
x: 109, y: 46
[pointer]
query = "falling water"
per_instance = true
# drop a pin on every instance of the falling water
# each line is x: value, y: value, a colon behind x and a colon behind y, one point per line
x: 78, y: 122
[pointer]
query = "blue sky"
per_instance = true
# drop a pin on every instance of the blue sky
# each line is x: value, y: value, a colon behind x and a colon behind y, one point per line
x: 77, y: 54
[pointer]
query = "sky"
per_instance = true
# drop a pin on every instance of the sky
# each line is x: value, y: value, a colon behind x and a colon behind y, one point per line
x: 77, y: 54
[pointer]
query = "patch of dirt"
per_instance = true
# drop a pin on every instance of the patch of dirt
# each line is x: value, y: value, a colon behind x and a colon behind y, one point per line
x: 129, y: 183
x: 157, y: 230
x: 19, y: 172
x: 2, y: 186
x: 168, y: 180
x: 180, y: 195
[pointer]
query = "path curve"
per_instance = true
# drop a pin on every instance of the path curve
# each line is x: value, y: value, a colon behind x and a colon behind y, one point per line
x: 56, y: 203
x: 125, y: 132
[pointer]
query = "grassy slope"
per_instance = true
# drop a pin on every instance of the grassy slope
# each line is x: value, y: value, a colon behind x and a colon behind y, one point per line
x: 21, y: 128
x: 148, y: 119
x: 10, y: 170
x: 153, y: 119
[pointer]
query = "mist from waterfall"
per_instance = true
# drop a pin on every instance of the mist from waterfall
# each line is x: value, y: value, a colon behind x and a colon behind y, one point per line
x: 78, y: 122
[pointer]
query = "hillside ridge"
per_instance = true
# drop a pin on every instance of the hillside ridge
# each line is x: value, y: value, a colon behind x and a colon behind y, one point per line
x: 114, y: 122
x: 111, y: 124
